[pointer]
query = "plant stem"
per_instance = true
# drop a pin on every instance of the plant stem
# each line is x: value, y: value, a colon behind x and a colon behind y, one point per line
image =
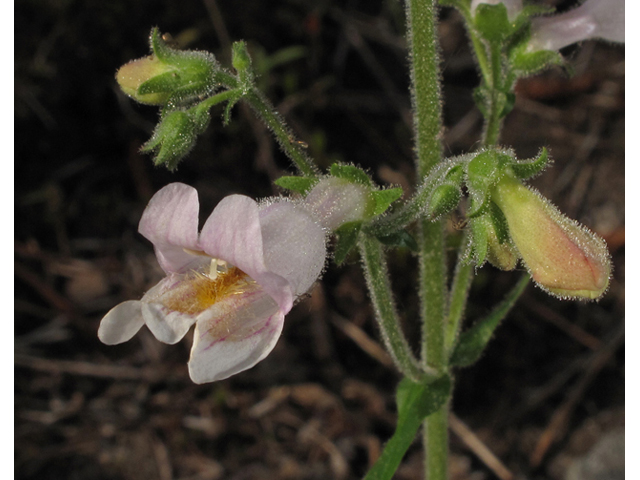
x: 425, y: 79
x: 375, y: 269
x: 494, y: 120
x: 283, y: 134
x: 458, y: 296
x: 276, y: 124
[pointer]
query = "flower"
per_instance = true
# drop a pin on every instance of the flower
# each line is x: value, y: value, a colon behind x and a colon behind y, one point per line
x: 593, y: 19
x: 563, y: 257
x: 235, y: 281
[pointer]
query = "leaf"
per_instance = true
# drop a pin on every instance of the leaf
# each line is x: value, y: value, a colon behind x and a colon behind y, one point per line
x: 415, y: 403
x: 300, y: 185
x: 472, y: 343
x: 350, y: 173
x: 347, y: 238
x: 384, y: 198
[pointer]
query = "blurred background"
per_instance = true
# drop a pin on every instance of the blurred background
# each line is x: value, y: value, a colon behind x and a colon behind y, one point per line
x: 545, y: 400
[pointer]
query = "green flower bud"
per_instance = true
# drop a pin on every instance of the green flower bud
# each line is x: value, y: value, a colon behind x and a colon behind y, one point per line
x: 169, y: 75
x: 563, y: 257
x: 175, y: 136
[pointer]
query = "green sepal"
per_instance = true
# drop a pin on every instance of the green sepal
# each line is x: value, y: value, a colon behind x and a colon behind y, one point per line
x: 301, y: 185
x: 193, y: 75
x: 346, y: 239
x: 159, y: 47
x: 492, y: 22
x: 350, y: 173
x: 166, y: 82
x: 472, y: 342
x: 499, y: 222
x: 446, y: 196
x: 525, y: 63
x: 415, y: 402
x: 444, y: 199
x: 479, y: 239
x: 483, y: 172
x: 401, y: 238
x: 525, y: 169
x: 382, y: 199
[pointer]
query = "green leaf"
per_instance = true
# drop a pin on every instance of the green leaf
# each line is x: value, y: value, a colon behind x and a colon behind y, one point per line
x: 472, y: 343
x: 527, y: 63
x: 415, y: 403
x: 350, y: 173
x: 492, y: 21
x: 347, y: 238
x: 401, y: 238
x: 301, y: 185
x: 525, y: 169
x: 384, y: 198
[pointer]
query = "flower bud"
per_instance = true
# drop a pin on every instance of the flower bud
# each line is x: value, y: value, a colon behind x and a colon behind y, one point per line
x: 133, y: 74
x: 175, y: 136
x: 563, y: 257
x: 168, y: 75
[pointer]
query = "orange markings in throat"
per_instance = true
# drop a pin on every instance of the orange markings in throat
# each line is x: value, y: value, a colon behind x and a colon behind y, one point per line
x: 197, y: 291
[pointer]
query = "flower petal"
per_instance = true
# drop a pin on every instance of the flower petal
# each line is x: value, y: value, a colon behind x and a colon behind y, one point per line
x: 233, y: 336
x: 168, y: 326
x: 170, y: 222
x: 293, y: 243
x: 232, y: 233
x: 121, y: 323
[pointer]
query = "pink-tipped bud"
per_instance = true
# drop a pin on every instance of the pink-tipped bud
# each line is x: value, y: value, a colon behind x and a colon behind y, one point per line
x: 563, y: 257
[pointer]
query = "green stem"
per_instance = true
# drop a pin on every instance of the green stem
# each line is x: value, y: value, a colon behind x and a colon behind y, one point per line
x: 436, y: 444
x: 276, y: 124
x: 425, y: 82
x: 423, y: 44
x: 458, y: 296
x: 283, y: 134
x: 375, y: 269
x: 494, y: 120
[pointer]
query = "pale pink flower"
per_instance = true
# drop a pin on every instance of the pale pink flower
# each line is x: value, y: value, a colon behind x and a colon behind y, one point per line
x: 602, y: 19
x: 235, y: 280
